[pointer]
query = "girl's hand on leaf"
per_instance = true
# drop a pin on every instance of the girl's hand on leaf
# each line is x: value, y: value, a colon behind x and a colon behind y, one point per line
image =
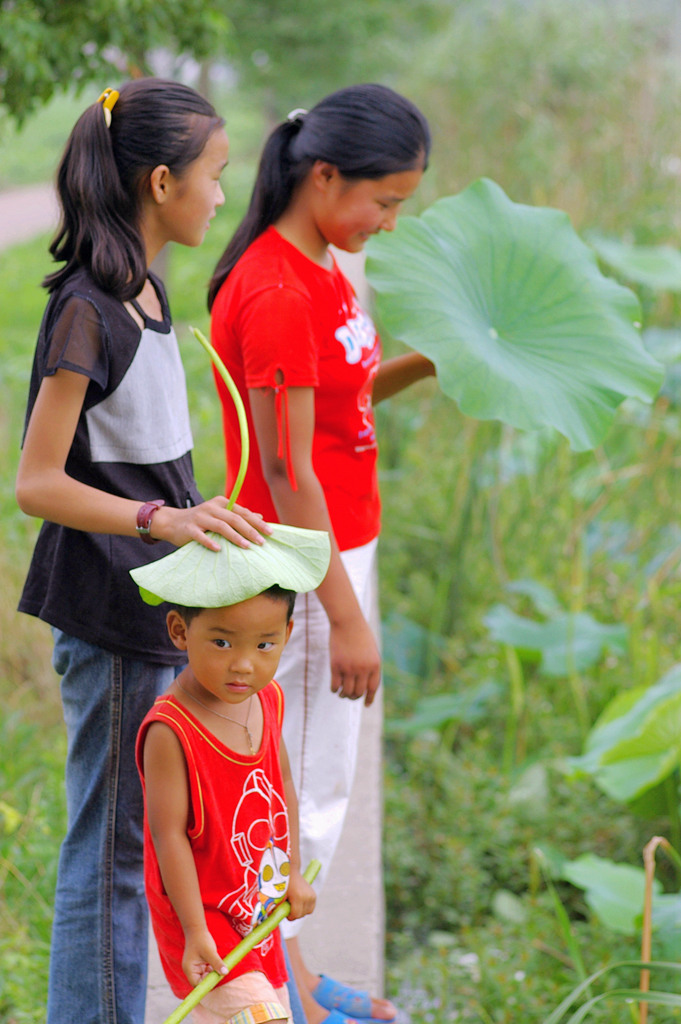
x: 201, y: 956
x: 355, y: 660
x: 238, y: 525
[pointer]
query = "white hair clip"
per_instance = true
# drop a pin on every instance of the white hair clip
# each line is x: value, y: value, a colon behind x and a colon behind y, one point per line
x: 296, y: 115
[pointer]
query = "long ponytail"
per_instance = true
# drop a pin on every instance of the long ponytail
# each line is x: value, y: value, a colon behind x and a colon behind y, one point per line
x: 104, y: 174
x: 277, y: 179
x: 366, y: 131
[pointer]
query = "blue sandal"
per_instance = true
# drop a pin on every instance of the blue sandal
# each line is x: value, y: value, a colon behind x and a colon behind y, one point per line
x: 338, y: 1017
x: 333, y: 995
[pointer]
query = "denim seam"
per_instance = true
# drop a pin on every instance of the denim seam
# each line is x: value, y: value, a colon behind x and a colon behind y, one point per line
x: 116, y: 715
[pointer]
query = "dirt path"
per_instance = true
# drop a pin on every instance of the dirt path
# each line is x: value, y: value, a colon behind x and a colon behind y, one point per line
x: 26, y: 212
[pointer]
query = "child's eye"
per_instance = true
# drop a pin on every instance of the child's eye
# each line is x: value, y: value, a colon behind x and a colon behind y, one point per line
x: 221, y: 643
x: 266, y: 645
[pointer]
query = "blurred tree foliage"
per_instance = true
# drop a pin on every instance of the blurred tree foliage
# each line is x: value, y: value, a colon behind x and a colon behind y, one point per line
x: 571, y: 105
x: 289, y: 50
x: 47, y: 47
x: 293, y: 52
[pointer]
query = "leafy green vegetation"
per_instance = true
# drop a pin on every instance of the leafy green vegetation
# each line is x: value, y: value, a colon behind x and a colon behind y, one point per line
x: 511, y: 307
x: 500, y: 551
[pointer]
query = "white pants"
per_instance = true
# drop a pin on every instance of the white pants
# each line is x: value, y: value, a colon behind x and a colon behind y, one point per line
x: 321, y: 729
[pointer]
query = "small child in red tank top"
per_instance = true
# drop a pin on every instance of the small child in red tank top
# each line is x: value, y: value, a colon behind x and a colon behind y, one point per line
x: 221, y: 815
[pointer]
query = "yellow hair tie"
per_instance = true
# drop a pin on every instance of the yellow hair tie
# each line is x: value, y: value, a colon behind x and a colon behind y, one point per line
x: 108, y: 101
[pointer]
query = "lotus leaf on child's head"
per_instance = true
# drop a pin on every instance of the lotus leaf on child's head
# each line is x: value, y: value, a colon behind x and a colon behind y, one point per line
x: 195, y: 576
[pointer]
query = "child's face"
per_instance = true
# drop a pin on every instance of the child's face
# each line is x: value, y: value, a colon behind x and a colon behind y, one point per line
x: 233, y: 652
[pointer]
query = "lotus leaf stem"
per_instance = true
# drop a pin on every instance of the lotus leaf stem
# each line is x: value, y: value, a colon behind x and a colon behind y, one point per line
x: 254, y: 938
x: 240, y: 411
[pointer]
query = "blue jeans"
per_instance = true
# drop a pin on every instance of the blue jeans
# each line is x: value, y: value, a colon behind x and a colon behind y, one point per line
x: 98, y: 964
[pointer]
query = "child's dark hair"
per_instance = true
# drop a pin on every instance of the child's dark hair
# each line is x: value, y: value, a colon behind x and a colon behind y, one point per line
x: 104, y: 172
x: 366, y: 131
x: 275, y: 592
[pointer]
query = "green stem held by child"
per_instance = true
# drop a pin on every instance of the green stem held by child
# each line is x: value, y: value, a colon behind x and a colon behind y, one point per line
x: 255, y: 937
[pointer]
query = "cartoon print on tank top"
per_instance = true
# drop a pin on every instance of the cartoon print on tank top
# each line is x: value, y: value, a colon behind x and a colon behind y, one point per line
x: 358, y: 338
x: 260, y: 840
x: 273, y: 877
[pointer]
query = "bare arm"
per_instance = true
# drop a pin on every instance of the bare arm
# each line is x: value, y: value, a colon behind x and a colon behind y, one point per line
x: 355, y: 661
x: 45, y: 489
x: 167, y: 801
x: 394, y: 375
x: 301, y: 895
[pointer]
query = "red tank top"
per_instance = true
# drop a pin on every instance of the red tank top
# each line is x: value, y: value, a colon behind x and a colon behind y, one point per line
x: 239, y: 835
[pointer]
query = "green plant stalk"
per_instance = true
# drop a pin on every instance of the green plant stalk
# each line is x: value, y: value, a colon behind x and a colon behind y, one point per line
x: 576, y: 683
x: 253, y: 939
x: 240, y: 411
x: 673, y: 855
x: 652, y: 641
x: 452, y: 550
x: 671, y: 793
x: 449, y: 734
x: 515, y: 672
x: 484, y: 1015
x: 565, y: 927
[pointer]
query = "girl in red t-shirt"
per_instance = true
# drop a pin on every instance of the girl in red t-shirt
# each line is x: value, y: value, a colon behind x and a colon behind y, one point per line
x: 306, y: 359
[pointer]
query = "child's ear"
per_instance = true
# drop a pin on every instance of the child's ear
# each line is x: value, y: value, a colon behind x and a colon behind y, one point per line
x: 159, y: 181
x: 289, y: 627
x: 177, y: 629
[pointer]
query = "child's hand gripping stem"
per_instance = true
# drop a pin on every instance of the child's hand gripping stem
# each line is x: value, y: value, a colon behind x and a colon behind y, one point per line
x: 253, y: 939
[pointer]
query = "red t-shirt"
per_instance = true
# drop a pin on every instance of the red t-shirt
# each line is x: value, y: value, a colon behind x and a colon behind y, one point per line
x: 239, y: 837
x: 281, y: 314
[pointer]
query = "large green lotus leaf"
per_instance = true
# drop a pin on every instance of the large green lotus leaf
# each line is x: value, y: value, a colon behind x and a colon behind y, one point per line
x: 656, y: 266
x: 659, y: 730
x: 406, y: 644
x: 624, y: 716
x: 613, y: 891
x: 512, y: 308
x: 438, y: 710
x: 664, y: 344
x: 636, y: 742
x: 564, y: 643
x: 196, y: 577
x: 667, y: 925
x: 543, y: 599
x: 639, y: 761
x: 629, y: 779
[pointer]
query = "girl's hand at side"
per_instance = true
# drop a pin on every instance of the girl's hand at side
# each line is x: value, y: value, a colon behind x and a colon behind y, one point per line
x: 200, y: 956
x: 355, y: 660
x: 300, y: 895
x: 238, y: 525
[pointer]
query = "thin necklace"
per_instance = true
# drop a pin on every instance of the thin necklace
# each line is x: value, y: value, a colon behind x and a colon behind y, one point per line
x: 226, y: 717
